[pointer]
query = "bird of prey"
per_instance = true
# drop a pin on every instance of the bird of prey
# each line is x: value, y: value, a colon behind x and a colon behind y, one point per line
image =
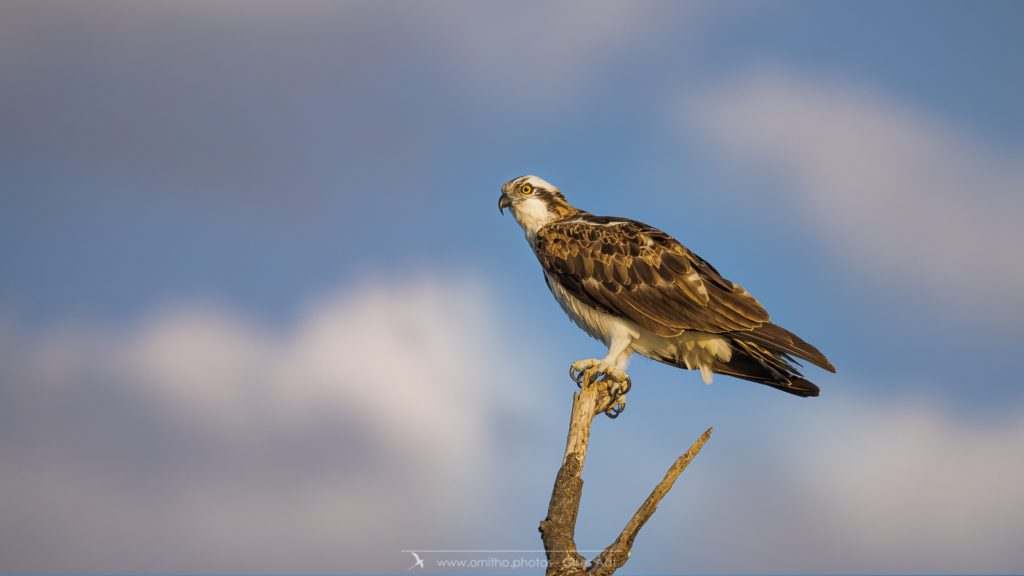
x: 638, y: 290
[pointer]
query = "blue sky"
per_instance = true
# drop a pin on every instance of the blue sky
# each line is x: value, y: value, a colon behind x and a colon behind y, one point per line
x: 255, y: 283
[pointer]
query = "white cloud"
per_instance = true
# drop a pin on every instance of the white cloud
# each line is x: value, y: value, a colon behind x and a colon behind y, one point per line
x: 199, y: 442
x: 388, y: 417
x: 912, y: 488
x: 901, y: 195
x: 855, y: 486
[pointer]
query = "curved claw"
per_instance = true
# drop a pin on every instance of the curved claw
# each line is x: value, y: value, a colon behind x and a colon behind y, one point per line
x: 625, y: 386
x: 618, y: 390
x: 577, y: 377
x: 614, y: 410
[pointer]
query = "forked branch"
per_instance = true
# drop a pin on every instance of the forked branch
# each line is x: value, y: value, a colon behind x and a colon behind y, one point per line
x: 559, y: 528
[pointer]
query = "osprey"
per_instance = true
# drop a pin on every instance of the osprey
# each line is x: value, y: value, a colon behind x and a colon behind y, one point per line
x: 638, y: 290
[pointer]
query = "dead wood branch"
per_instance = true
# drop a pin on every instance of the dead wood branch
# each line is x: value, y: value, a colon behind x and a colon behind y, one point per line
x: 559, y: 528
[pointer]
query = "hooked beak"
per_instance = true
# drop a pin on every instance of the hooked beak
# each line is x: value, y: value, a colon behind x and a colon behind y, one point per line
x: 504, y: 202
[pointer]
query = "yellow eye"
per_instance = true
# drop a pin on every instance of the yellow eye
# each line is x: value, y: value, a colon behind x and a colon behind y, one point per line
x: 527, y: 189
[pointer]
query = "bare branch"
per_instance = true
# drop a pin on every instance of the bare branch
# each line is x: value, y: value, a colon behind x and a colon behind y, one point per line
x: 559, y: 528
x: 615, y: 555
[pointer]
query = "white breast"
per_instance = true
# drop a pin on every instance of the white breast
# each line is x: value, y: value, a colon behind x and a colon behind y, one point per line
x: 597, y: 324
x: 693, y: 350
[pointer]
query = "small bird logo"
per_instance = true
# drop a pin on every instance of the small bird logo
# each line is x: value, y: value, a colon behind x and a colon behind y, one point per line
x: 419, y: 561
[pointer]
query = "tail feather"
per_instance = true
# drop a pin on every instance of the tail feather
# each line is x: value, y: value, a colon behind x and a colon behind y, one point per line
x: 766, y: 355
x: 780, y: 340
x: 750, y: 367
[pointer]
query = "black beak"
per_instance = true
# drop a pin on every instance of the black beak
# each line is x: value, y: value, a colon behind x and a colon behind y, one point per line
x: 504, y: 202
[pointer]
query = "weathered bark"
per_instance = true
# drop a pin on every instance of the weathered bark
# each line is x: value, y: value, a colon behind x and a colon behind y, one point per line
x: 559, y: 528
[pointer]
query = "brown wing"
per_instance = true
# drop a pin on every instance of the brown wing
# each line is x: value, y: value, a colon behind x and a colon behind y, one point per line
x: 634, y: 270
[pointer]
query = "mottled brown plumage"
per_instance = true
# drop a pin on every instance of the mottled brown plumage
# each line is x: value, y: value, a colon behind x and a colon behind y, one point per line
x: 603, y: 268
x: 639, y: 272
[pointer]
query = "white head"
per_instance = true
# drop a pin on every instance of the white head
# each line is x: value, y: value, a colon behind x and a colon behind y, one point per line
x: 534, y: 202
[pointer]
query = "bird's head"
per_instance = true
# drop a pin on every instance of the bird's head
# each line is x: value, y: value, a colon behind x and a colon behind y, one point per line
x: 534, y: 203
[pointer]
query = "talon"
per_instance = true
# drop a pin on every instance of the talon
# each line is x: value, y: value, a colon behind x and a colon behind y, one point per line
x: 579, y: 369
x: 576, y: 375
x: 626, y: 385
x: 618, y: 389
x: 614, y: 410
x: 619, y: 385
x: 615, y: 379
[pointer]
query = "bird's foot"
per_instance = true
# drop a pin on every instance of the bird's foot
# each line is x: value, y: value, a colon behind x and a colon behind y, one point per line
x: 579, y: 367
x: 618, y: 384
x: 599, y: 368
x: 616, y: 379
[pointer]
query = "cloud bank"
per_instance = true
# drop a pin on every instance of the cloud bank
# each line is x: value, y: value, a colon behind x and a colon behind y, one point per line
x: 854, y: 486
x: 389, y: 418
x: 905, y: 198
x: 200, y: 442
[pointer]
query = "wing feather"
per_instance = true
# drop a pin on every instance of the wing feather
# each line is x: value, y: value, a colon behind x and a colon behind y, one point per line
x: 637, y: 271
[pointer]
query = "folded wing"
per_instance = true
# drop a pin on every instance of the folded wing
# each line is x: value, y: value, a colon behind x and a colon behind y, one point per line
x: 633, y: 270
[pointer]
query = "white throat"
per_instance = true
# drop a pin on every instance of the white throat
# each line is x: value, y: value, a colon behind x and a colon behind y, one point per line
x: 532, y: 214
